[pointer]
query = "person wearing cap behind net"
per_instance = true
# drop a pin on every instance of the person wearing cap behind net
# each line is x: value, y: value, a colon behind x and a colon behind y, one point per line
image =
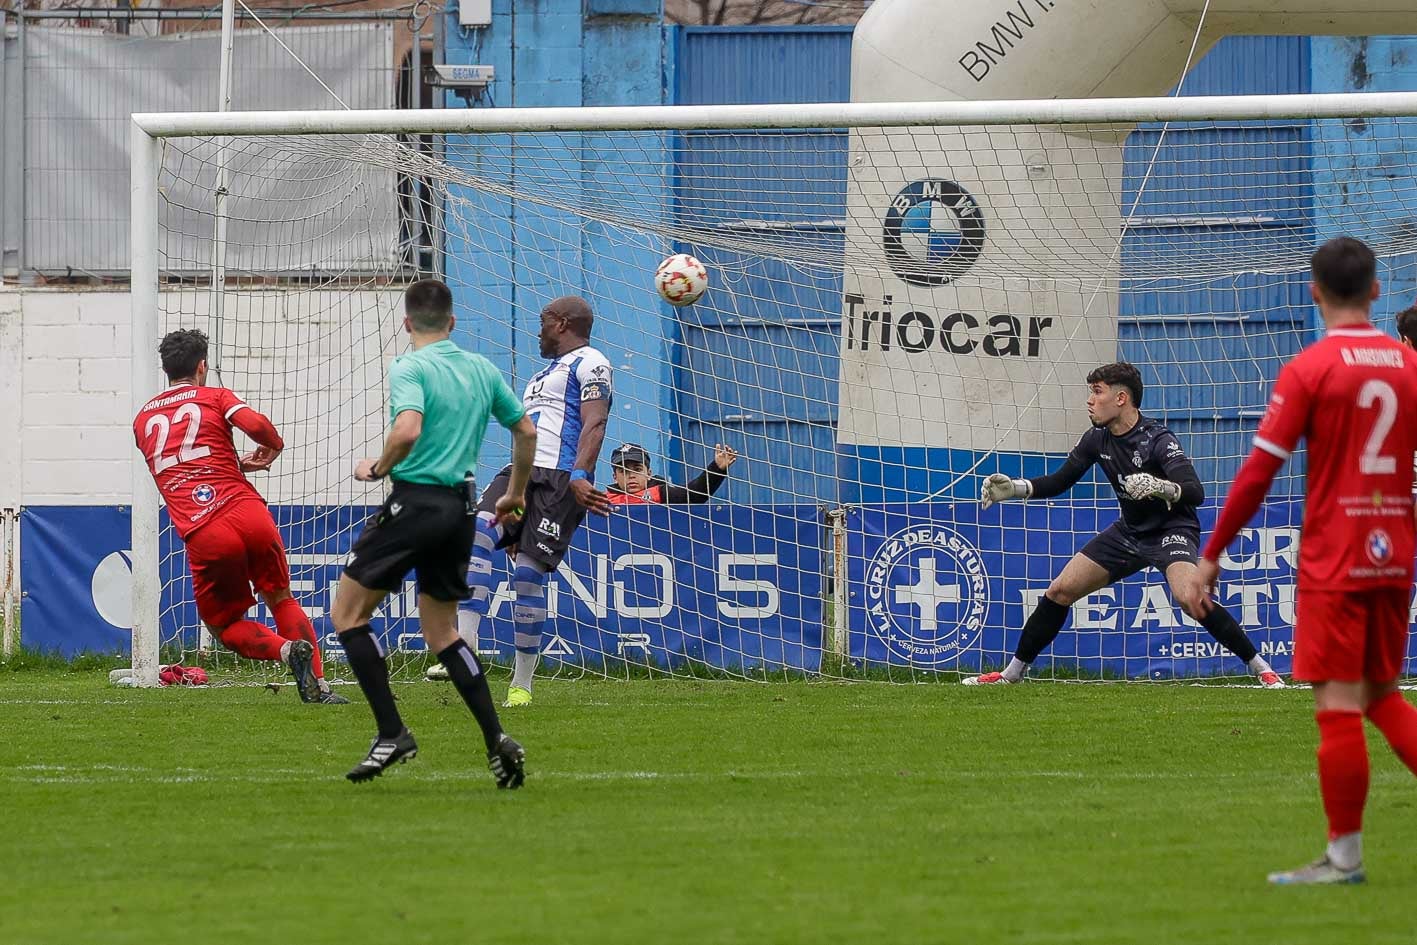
x: 635, y: 485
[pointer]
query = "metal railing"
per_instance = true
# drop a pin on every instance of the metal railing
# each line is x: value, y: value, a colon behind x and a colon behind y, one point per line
x: 9, y: 581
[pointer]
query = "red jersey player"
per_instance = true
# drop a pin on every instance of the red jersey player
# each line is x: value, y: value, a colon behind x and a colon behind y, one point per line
x: 1353, y: 397
x: 232, y: 542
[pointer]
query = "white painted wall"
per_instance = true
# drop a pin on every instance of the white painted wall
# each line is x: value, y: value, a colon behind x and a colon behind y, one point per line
x: 73, y: 397
x: 313, y: 361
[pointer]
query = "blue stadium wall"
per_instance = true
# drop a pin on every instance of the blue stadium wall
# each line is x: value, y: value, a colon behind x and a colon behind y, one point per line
x: 514, y: 256
x: 764, y: 378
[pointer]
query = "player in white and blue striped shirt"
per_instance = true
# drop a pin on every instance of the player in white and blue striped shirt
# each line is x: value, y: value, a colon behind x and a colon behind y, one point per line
x: 569, y: 401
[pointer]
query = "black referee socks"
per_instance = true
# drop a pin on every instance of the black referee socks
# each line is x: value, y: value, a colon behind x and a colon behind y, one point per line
x: 465, y: 671
x: 366, y: 661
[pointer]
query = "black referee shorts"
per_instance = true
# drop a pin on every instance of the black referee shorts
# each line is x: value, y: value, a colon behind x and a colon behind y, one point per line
x: 1123, y: 552
x: 421, y: 528
x: 552, y: 514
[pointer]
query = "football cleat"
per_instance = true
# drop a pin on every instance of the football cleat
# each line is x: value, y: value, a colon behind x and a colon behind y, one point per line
x: 301, y: 660
x: 507, y: 762
x: 331, y: 698
x: 383, y: 753
x: 1321, y: 872
x: 517, y: 696
x: 437, y: 673
x: 989, y: 679
x: 1272, y: 680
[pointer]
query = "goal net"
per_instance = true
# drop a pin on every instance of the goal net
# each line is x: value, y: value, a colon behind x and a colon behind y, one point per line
x: 903, y: 299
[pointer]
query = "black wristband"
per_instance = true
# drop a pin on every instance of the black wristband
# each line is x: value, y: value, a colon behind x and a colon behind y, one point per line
x: 374, y: 474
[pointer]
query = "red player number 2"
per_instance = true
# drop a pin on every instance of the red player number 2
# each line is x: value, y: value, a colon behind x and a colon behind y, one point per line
x: 1373, y: 462
x: 192, y: 414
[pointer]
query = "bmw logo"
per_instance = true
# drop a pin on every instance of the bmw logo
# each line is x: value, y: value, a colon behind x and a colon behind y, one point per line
x: 934, y: 231
x: 203, y: 494
x: 1379, y: 546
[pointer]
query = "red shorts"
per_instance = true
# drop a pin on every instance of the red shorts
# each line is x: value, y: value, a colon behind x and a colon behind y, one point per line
x: 231, y: 553
x: 1347, y: 636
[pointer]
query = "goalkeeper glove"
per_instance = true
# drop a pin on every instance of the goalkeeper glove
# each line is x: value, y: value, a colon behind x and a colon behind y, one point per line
x: 999, y: 488
x: 1141, y: 486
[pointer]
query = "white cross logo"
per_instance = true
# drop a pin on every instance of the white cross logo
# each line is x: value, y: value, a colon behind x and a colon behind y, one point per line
x: 927, y: 593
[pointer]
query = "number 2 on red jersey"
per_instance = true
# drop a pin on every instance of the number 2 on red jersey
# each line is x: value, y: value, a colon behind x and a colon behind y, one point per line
x: 1380, y: 394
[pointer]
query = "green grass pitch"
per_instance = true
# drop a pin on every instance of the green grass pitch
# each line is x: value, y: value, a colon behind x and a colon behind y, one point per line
x: 684, y: 812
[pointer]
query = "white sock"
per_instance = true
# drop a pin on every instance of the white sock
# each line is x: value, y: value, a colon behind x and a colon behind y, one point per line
x: 1346, y: 852
x: 469, y: 623
x: 285, y: 650
x: 1015, y: 670
x: 523, y: 668
x: 1258, y: 665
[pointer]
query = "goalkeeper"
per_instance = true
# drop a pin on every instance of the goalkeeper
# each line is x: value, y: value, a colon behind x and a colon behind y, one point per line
x: 1158, y: 491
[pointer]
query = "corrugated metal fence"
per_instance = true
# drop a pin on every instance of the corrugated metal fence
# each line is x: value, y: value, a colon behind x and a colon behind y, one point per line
x: 68, y: 85
x: 765, y: 376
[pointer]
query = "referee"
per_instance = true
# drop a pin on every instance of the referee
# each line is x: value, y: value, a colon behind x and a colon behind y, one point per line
x: 440, y: 401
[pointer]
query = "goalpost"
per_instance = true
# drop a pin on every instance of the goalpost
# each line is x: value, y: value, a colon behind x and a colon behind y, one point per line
x: 903, y: 297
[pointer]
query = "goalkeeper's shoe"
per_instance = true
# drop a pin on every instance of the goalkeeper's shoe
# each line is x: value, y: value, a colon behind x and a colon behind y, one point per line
x: 1321, y: 872
x: 516, y: 697
x: 331, y: 698
x: 989, y: 679
x: 507, y: 762
x: 301, y: 660
x: 1272, y: 680
x: 383, y: 753
x: 437, y: 673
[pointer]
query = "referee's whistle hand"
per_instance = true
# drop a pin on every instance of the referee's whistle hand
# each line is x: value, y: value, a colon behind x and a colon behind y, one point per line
x: 364, y: 470
x: 510, y: 508
x: 590, y: 497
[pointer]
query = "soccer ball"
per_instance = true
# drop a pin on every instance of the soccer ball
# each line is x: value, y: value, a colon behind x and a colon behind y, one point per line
x: 681, y: 279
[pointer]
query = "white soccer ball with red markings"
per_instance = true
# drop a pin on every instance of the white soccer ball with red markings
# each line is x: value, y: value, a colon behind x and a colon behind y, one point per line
x: 681, y: 279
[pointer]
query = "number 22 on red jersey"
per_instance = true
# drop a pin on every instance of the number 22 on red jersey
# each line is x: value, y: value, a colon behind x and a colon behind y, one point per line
x: 185, y: 435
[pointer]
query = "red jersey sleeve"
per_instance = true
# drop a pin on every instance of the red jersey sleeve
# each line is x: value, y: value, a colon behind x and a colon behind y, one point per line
x: 228, y: 402
x: 1287, y: 416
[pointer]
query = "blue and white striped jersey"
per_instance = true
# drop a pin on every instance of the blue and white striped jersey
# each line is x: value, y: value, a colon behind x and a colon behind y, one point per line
x: 553, y: 401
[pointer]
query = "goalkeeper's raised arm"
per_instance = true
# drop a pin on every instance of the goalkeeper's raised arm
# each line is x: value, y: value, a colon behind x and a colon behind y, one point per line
x: 1000, y: 488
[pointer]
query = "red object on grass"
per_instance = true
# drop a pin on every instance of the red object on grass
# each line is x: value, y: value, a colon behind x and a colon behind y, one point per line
x: 179, y: 675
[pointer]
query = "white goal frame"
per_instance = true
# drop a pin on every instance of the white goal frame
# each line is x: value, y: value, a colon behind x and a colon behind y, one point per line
x: 148, y: 130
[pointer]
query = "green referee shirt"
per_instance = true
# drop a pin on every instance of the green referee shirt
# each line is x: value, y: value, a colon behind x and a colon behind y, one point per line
x: 457, y: 392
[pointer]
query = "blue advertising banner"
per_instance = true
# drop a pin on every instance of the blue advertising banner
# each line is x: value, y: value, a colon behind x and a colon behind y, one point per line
x: 77, y: 579
x: 930, y: 586
x: 738, y: 588
x: 946, y: 586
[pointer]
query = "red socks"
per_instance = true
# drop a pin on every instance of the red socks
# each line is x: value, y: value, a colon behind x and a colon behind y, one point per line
x: 1343, y: 770
x: 1397, y: 720
x: 252, y: 640
x: 256, y: 641
x: 292, y: 624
